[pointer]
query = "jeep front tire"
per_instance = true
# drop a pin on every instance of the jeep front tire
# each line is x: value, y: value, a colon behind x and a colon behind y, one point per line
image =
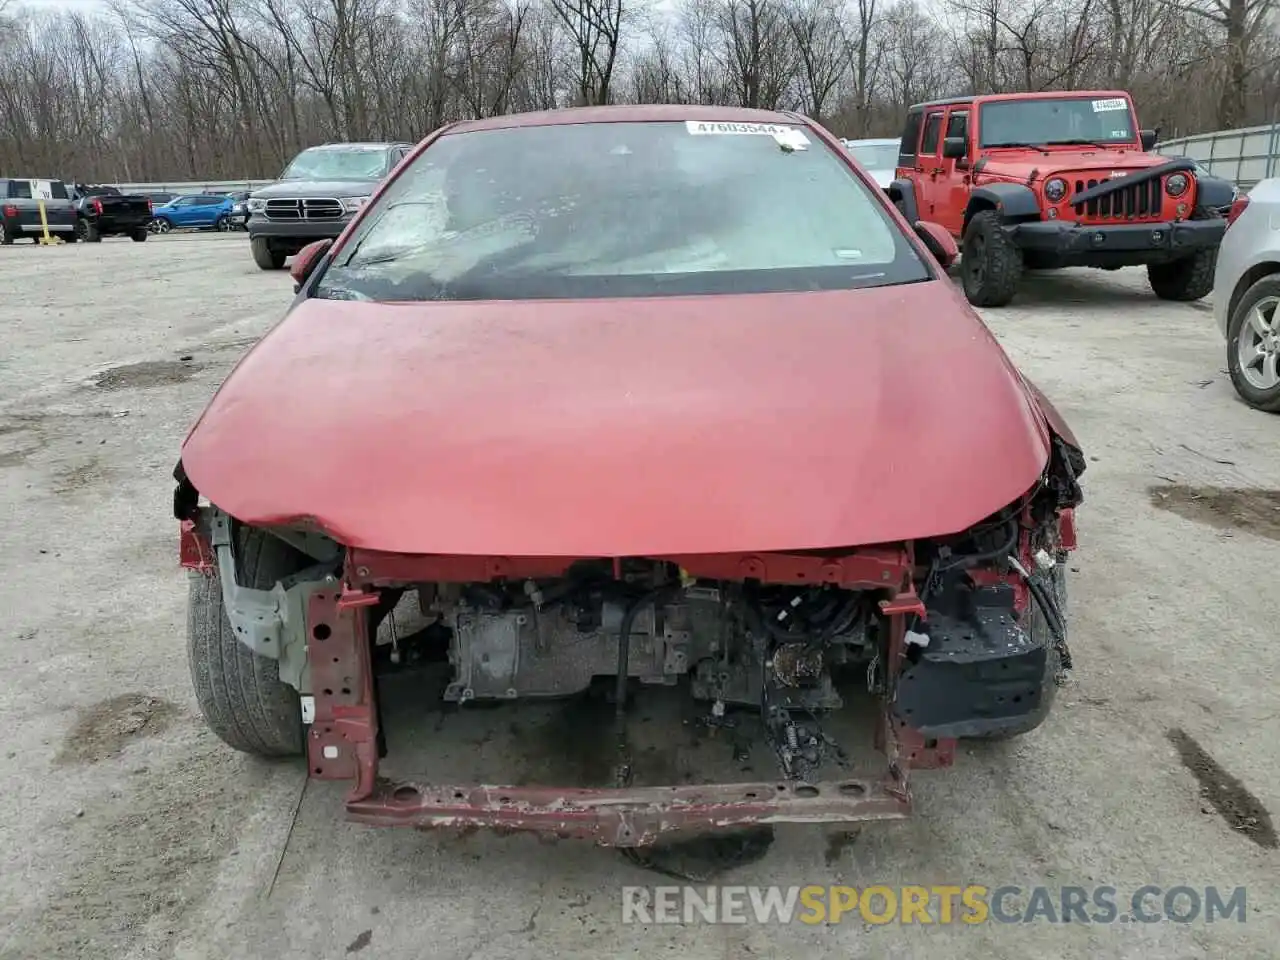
x: 1189, y: 278
x: 990, y: 262
x: 240, y: 694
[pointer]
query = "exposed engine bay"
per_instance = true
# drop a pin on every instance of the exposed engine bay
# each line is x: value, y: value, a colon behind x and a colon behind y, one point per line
x: 956, y: 636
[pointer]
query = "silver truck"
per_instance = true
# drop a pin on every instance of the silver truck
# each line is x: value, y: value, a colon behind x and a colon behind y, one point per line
x: 20, y: 209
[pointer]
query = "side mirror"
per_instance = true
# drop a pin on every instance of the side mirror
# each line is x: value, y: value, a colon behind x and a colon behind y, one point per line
x: 1148, y: 138
x: 955, y: 148
x: 939, y: 241
x: 304, y: 263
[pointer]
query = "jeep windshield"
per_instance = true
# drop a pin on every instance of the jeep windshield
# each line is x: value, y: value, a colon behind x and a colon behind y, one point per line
x: 338, y: 163
x: 1056, y: 121
x: 627, y: 209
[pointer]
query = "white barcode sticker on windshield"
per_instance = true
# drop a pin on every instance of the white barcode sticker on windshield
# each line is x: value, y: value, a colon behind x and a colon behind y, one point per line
x: 784, y: 134
x: 1115, y: 103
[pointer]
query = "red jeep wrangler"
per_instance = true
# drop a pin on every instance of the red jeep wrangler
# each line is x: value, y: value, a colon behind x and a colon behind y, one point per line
x: 1047, y: 180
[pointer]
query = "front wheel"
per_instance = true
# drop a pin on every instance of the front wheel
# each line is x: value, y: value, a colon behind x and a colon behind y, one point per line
x: 1187, y: 279
x: 87, y: 232
x: 240, y: 694
x: 1253, y: 345
x: 264, y: 256
x: 6, y: 238
x: 161, y: 225
x: 990, y: 262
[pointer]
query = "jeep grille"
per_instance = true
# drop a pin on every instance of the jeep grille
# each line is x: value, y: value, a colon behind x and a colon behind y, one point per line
x: 308, y: 208
x: 1142, y: 201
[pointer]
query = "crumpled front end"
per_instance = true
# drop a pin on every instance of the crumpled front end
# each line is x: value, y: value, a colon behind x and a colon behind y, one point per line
x: 950, y: 637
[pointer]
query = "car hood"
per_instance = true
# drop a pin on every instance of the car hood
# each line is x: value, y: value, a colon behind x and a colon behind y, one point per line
x: 1026, y: 165
x: 646, y: 427
x: 288, y: 189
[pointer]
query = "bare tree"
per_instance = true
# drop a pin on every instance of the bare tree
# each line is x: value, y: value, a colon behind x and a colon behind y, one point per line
x: 596, y: 29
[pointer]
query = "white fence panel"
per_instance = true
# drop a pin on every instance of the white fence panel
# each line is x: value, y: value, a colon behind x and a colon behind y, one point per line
x: 1244, y: 156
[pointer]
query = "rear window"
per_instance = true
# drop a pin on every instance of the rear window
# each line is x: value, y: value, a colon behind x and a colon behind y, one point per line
x: 20, y: 189
x: 622, y: 210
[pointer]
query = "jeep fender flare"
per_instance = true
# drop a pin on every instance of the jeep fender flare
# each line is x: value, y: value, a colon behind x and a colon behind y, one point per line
x: 1012, y: 201
x: 904, y: 192
x: 1214, y: 192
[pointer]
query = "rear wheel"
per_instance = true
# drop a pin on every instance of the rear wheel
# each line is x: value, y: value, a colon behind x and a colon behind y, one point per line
x: 138, y: 234
x: 87, y: 232
x: 6, y: 238
x: 240, y: 694
x: 222, y: 224
x: 264, y: 256
x: 990, y: 263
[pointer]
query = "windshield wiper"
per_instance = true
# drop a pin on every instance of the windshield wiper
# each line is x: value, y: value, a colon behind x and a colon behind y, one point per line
x: 1075, y: 143
x: 1016, y: 143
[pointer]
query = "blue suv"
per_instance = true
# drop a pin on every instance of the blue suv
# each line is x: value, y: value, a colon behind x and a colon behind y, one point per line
x: 201, y: 210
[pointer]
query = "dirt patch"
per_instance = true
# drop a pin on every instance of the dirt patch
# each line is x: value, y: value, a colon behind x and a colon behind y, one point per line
x: 16, y: 458
x: 144, y: 859
x: 838, y: 842
x: 71, y: 479
x: 1254, y: 511
x: 106, y: 728
x: 1243, y: 811
x: 152, y: 373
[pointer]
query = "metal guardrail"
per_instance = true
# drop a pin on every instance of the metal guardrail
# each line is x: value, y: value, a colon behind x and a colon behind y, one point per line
x: 1243, y: 156
x: 192, y: 186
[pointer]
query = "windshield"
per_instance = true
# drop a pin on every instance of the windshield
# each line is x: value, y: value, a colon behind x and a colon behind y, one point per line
x: 1056, y: 121
x: 342, y: 163
x: 876, y: 156
x: 622, y: 210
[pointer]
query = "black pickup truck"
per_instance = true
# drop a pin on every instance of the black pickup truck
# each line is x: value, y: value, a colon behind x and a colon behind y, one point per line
x: 103, y: 211
x: 20, y: 209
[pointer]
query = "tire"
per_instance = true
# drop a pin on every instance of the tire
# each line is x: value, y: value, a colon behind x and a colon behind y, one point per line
x: 264, y: 256
x: 161, y: 225
x: 87, y: 232
x: 1057, y: 583
x: 6, y: 237
x: 222, y: 224
x: 990, y: 263
x: 1256, y: 384
x: 139, y: 234
x: 1189, y: 278
x: 240, y: 694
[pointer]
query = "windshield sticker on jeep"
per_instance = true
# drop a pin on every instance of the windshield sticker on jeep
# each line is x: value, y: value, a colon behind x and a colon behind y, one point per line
x: 1115, y: 103
x: 787, y: 136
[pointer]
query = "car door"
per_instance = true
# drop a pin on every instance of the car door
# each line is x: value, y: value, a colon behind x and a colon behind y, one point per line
x: 928, y: 168
x: 205, y: 211
x: 183, y: 211
x: 954, y: 180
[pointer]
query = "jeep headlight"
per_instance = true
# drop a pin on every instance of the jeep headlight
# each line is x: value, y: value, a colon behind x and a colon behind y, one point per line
x: 352, y: 204
x: 1055, y: 190
x: 254, y: 205
x: 1177, y: 184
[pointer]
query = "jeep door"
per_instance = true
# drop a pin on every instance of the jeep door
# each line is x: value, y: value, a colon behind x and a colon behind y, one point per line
x: 931, y: 188
x: 954, y: 180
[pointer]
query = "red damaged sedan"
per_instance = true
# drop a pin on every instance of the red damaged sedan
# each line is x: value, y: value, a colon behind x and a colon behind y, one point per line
x: 632, y: 396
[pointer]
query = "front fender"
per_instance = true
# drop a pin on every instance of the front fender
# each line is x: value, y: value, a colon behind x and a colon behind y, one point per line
x: 1214, y: 192
x: 1013, y: 201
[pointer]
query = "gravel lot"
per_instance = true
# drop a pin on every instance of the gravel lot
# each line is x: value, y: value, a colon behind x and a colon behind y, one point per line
x: 127, y: 831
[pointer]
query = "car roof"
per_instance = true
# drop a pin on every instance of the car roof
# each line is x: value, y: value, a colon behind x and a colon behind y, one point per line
x: 630, y: 113
x: 1039, y: 95
x: 359, y: 145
